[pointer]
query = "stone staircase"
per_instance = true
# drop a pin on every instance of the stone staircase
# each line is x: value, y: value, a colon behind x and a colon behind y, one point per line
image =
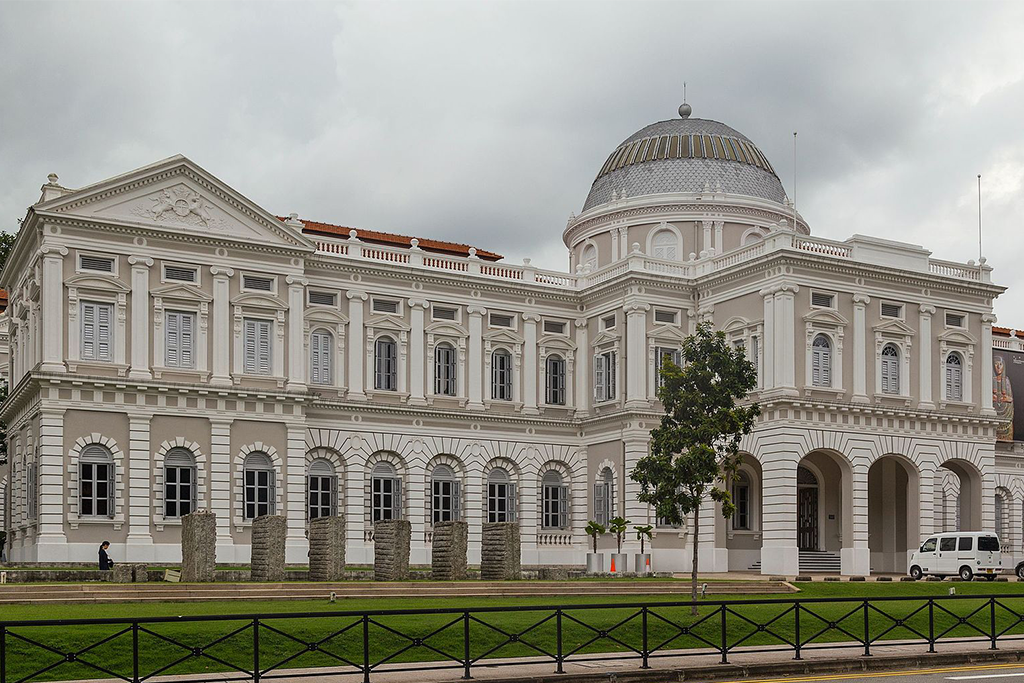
x: 813, y: 562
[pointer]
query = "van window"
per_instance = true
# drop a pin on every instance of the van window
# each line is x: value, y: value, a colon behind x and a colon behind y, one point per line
x: 988, y: 543
x: 966, y: 543
x: 928, y: 546
x: 947, y: 543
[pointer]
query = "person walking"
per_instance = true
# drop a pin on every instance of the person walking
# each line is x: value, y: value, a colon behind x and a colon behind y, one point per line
x: 105, y: 562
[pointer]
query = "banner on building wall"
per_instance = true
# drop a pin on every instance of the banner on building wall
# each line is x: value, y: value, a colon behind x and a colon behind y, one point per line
x: 1007, y: 384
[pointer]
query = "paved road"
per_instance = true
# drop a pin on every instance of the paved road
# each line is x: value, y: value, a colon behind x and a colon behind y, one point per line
x: 981, y: 673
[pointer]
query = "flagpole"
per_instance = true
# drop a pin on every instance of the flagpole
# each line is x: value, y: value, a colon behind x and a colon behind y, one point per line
x: 980, y: 252
x: 794, y: 181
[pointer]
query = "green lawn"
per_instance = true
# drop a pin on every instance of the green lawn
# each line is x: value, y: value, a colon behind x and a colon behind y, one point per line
x: 444, y: 631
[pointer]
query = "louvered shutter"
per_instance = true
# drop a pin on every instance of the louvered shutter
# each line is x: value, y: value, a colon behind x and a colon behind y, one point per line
x: 396, y: 500
x: 272, y: 492
x: 456, y: 500
x: 186, y: 339
x: 104, y: 313
x: 314, y: 359
x: 173, y: 340
x: 513, y: 502
x: 88, y: 351
x: 599, y: 378
x: 816, y: 367
x: 600, y: 504
x: 263, y: 347
x: 563, y: 507
x: 334, y: 496
x: 110, y: 488
x: 250, y: 347
x: 611, y: 375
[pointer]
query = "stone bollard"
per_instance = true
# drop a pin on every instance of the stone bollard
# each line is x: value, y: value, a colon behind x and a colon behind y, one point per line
x: 500, y: 552
x: 391, y: 550
x: 448, y: 551
x: 327, y: 549
x: 140, y: 573
x: 199, y: 547
x: 267, y: 562
x: 121, y: 573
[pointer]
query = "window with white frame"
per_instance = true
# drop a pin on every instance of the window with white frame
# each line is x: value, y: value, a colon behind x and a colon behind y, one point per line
x: 501, y: 375
x: 387, y: 306
x: 664, y: 245
x: 741, y: 499
x: 32, y: 490
x: 259, y: 483
x: 445, y: 369
x: 821, y: 361
x: 445, y: 495
x: 321, y: 298
x: 321, y: 489
x: 954, y: 377
x: 97, y: 334
x: 501, y: 320
x: 98, y: 264
x: 321, y: 345
x: 890, y: 369
x: 554, y: 327
x: 501, y: 496
x: 444, y: 313
x: 179, y: 483
x: 823, y: 299
x: 604, y: 376
x: 179, y: 339
x: 385, y: 364
x: 256, y: 338
x: 889, y: 309
x: 259, y: 283
x: 662, y: 354
x: 604, y: 497
x: 665, y: 317
x: 755, y: 352
x: 554, y: 389
x: 175, y: 273
x: 385, y: 493
x: 95, y: 482
x: 555, y: 501
x: 955, y: 319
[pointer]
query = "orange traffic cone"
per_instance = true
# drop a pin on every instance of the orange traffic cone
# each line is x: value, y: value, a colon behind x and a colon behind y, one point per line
x: 613, y: 564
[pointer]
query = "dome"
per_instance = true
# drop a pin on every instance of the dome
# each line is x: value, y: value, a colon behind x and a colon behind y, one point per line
x: 685, y: 155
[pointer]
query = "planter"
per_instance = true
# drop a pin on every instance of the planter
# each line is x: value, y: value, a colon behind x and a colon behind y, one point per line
x: 620, y: 563
x: 643, y: 563
x: 595, y: 563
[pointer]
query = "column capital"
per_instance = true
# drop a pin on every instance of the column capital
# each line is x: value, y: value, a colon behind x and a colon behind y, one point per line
x: 768, y: 291
x: 580, y: 323
x: 356, y: 294
x: 476, y: 310
x: 788, y: 288
x: 297, y: 280
x: 53, y: 251
x: 531, y: 317
x: 222, y: 271
x: 988, y: 318
x: 418, y: 303
x: 861, y: 299
x: 636, y: 308
x: 140, y: 261
x: 926, y: 309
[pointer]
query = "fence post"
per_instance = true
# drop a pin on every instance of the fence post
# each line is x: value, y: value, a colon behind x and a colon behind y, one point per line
x: 992, y: 620
x: 465, y: 645
x: 3, y: 654
x: 931, y: 624
x: 796, y: 632
x: 366, y: 648
x: 255, y: 651
x: 643, y: 613
x: 867, y: 633
x: 558, y: 642
x: 135, y: 652
x: 725, y: 644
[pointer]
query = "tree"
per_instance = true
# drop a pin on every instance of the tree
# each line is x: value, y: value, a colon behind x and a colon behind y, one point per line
x: 6, y: 244
x: 594, y: 530
x: 619, y: 526
x: 696, y: 446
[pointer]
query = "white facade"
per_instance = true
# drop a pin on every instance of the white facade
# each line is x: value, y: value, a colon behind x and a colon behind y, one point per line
x: 174, y: 346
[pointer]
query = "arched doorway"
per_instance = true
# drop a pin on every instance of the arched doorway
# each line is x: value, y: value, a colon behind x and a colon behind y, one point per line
x: 893, y: 513
x: 743, y: 529
x: 808, y: 525
x: 970, y: 498
x: 824, y: 498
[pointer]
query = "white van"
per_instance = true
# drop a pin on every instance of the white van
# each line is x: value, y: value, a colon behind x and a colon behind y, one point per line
x: 967, y: 554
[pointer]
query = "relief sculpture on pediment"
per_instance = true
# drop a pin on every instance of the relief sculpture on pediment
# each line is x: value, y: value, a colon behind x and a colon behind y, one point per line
x: 182, y: 205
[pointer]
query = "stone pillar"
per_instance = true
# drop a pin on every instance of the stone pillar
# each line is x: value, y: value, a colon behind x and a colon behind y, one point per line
x: 530, y: 369
x: 860, y: 349
x: 855, y: 557
x: 636, y: 355
x: 785, y: 341
x: 222, y: 325
x: 706, y: 244
x: 221, y: 485
x: 268, y: 535
x: 417, y: 354
x: 500, y: 553
x: 719, y: 243
x: 120, y: 573
x: 199, y: 547
x: 448, y: 551
x: 296, y: 330
x: 768, y: 340
x: 924, y: 354
x: 327, y: 548
x: 356, y: 356
x: 140, y: 317
x: 582, y: 369
x: 51, y: 541
x: 476, y: 357
x: 52, y: 298
x: 139, y: 543
x: 391, y: 539
x: 295, y: 494
x: 986, y: 364
x: 140, y: 573
x: 779, y: 553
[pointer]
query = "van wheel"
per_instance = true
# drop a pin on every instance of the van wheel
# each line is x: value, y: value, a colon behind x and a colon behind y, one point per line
x: 916, y: 573
x: 1020, y: 571
x: 966, y: 573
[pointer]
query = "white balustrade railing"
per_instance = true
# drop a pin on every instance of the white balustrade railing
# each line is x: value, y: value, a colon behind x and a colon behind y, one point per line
x: 822, y: 247
x: 950, y: 269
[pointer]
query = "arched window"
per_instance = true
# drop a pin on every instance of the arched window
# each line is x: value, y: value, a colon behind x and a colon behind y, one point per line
x: 445, y: 369
x: 821, y: 361
x: 554, y: 389
x: 179, y: 482
x: 555, y: 512
x: 741, y: 499
x: 501, y: 375
x: 260, y: 479
x: 501, y: 497
x: 890, y: 369
x: 321, y: 489
x: 320, y: 357
x: 96, y: 482
x: 954, y: 377
x: 752, y: 237
x: 1001, y: 517
x: 588, y: 258
x: 445, y: 495
x: 386, y: 364
x: 385, y: 493
x: 604, y: 497
x: 665, y: 245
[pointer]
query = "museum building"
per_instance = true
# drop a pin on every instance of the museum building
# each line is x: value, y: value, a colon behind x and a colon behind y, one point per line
x: 173, y: 346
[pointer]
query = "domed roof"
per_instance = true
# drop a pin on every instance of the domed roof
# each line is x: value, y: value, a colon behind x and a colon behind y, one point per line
x: 685, y: 155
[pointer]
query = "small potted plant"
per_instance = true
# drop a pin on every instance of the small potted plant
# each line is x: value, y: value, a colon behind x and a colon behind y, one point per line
x: 595, y: 561
x: 619, y: 526
x: 643, y: 560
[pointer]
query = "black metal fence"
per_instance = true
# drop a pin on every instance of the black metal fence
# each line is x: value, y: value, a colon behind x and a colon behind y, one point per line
x: 364, y: 643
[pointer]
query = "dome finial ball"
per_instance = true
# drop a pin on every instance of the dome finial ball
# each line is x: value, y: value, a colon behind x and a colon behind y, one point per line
x: 685, y: 110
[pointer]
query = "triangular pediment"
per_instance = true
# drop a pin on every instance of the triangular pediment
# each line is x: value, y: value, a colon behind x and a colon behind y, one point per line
x: 895, y: 327
x: 388, y: 322
x: 177, y: 196
x: 606, y: 337
x: 667, y: 332
x: 503, y: 336
x: 179, y: 291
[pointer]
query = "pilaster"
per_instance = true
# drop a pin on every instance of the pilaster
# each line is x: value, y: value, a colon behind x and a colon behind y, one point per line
x: 860, y: 394
x: 476, y: 357
x: 140, y: 493
x: 784, y: 324
x: 52, y: 299
x: 582, y: 368
x: 296, y: 329
x: 417, y: 355
x: 51, y: 540
x: 925, y: 400
x: 986, y: 364
x: 779, y: 551
x: 296, y: 547
x: 530, y: 369
x: 221, y: 485
x: 356, y: 358
x: 140, y: 318
x: 636, y: 345
x: 222, y: 325
x: 768, y: 340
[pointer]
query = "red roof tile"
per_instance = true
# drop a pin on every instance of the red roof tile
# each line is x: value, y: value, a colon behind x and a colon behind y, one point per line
x: 393, y: 240
x: 1005, y: 331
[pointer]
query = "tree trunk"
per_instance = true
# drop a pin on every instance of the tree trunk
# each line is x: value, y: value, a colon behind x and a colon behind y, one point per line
x: 693, y: 572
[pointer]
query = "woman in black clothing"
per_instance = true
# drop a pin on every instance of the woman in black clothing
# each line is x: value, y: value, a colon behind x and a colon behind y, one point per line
x: 105, y: 561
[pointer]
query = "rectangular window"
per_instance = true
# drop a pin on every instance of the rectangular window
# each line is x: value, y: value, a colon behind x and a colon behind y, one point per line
x: 501, y: 376
x: 608, y: 322
x: 661, y: 354
x: 386, y: 498
x: 95, y: 490
x: 258, y: 283
x: 385, y: 306
x: 602, y: 503
x: 179, y: 343
x: 741, y: 499
x: 556, y: 507
x: 666, y: 317
x: 180, y: 274
x: 604, y: 376
x: 554, y: 327
x: 500, y: 320
x: 891, y: 310
x: 97, y: 331
x: 321, y: 492
x: 259, y: 493
x: 179, y: 491
x: 501, y: 502
x: 946, y: 544
x: 256, y: 343
x: 442, y: 313
x: 954, y: 320
x: 823, y: 300
x: 317, y: 298
x: 445, y: 370
x: 988, y: 544
x: 444, y: 500
x: 555, y: 381
x: 32, y: 491
x: 966, y: 543
x: 99, y: 264
x: 320, y: 356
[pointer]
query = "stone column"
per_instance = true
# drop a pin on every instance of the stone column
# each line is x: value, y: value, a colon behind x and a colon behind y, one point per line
x: 391, y: 540
x: 140, y: 489
x: 925, y: 401
x: 448, y: 551
x: 636, y: 355
x: 785, y: 343
x: 855, y: 557
x: 222, y: 325
x: 327, y: 548
x: 140, y: 318
x: 268, y: 548
x: 199, y: 532
x: 986, y: 365
x: 52, y: 298
x: 929, y: 517
x: 860, y: 348
x: 295, y: 498
x: 500, y: 554
x: 707, y: 245
x: 476, y: 357
x: 719, y: 243
x: 768, y: 340
x: 779, y: 552
x: 296, y: 330
x: 356, y: 356
x: 51, y: 541
x: 582, y: 378
x: 221, y: 486
x: 417, y: 354
x: 530, y: 370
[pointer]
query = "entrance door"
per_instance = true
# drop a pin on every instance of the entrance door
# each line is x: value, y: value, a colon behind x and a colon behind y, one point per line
x: 807, y: 518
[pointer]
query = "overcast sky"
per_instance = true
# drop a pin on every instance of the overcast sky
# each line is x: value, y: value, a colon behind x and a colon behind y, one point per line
x: 486, y: 122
